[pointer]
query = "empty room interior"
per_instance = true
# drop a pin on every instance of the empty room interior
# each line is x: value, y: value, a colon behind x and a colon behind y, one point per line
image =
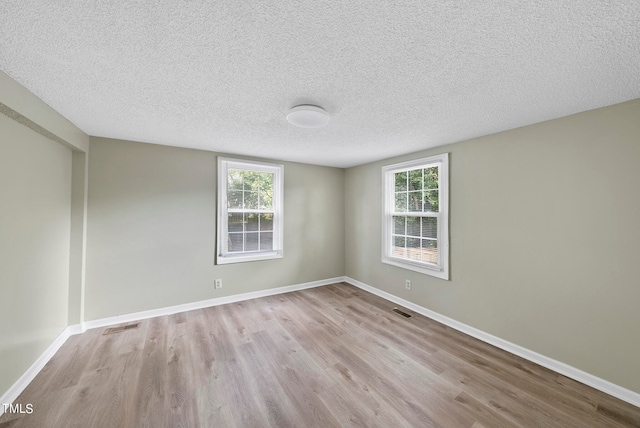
x: 279, y: 213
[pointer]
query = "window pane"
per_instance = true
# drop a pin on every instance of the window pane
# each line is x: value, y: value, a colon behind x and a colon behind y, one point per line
x: 234, y: 179
x: 266, y: 190
x: 266, y: 222
x: 429, y: 227
x: 266, y: 180
x: 251, y: 241
x: 413, y: 226
x: 234, y: 199
x: 235, y: 242
x: 431, y: 201
x: 251, y: 221
x: 399, y: 241
x: 413, y: 249
x: 235, y: 222
x: 415, y: 179
x: 266, y: 201
x: 430, y: 251
x: 399, y: 246
x: 401, y: 181
x: 251, y: 180
x: 431, y: 178
x: 250, y: 200
x: 398, y: 227
x: 415, y: 201
x: 401, y: 202
x: 266, y: 241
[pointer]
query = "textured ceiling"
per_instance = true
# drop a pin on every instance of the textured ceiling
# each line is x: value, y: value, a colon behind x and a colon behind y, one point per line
x: 396, y: 76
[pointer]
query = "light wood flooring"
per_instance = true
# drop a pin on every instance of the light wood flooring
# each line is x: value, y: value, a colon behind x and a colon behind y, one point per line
x: 323, y: 357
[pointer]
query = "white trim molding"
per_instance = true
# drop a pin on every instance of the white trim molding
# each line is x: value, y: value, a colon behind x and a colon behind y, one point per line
x: 422, y: 240
x: 595, y: 382
x: 276, y: 208
x: 27, y: 377
x: 170, y: 310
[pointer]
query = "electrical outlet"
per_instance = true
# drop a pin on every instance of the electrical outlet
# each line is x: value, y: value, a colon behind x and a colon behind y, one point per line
x: 407, y: 284
x: 218, y: 283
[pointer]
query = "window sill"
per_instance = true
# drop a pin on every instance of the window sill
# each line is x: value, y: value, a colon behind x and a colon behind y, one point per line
x: 404, y: 264
x: 251, y: 257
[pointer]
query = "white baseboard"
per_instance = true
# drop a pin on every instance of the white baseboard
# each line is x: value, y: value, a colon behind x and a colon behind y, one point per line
x: 169, y: 310
x: 605, y: 386
x: 76, y: 329
x: 16, y: 389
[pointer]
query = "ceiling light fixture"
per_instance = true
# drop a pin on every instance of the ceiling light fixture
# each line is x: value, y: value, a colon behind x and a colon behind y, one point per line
x: 308, y: 116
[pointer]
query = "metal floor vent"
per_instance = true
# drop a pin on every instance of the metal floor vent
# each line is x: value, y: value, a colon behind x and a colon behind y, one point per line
x: 398, y: 311
x: 122, y: 328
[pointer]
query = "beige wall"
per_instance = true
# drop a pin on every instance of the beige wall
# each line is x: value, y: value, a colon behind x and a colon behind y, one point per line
x: 151, y: 229
x: 35, y: 198
x: 79, y: 174
x: 545, y: 239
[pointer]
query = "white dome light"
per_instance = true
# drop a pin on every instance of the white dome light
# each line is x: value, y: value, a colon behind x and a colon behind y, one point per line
x: 308, y: 116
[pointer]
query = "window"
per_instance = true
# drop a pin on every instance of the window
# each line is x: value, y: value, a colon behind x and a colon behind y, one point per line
x: 415, y: 217
x: 249, y: 210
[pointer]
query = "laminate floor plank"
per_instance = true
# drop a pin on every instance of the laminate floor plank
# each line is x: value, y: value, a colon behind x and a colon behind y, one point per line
x: 468, y: 369
x: 288, y: 354
x: 399, y: 336
x: 379, y: 313
x: 319, y: 319
x: 107, y: 385
x: 241, y: 318
x: 64, y: 369
x: 385, y: 386
x: 323, y: 357
x: 334, y: 315
x: 354, y: 404
x: 276, y: 409
x: 180, y: 375
x: 152, y: 379
x: 223, y: 346
x: 47, y: 410
x: 516, y: 405
x: 312, y: 338
x: 485, y: 416
x: 428, y: 387
x: 240, y: 393
x: 298, y: 380
x: 211, y: 397
x: 235, y: 394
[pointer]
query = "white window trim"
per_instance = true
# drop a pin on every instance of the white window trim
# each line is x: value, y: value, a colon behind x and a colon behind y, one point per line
x: 223, y: 256
x: 441, y: 270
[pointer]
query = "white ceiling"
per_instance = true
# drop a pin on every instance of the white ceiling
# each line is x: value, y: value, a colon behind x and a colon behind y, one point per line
x: 396, y: 76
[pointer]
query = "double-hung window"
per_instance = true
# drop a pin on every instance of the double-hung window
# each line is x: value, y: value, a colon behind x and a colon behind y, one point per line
x: 416, y: 214
x: 249, y: 210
